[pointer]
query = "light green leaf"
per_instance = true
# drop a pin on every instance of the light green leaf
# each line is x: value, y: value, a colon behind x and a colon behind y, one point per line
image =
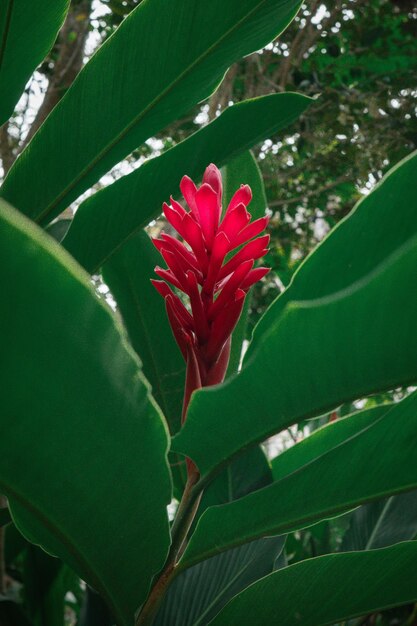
x: 173, y: 59
x: 107, y: 219
x: 327, y: 589
x: 351, y: 473
x: 94, y: 484
x: 23, y: 46
x: 318, y: 353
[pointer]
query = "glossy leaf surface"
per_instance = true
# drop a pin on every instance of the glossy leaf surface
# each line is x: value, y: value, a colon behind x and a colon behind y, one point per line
x: 107, y: 219
x: 23, y: 47
x: 173, y: 59
x: 94, y: 484
x: 327, y: 589
x: 323, y: 349
x: 351, y: 473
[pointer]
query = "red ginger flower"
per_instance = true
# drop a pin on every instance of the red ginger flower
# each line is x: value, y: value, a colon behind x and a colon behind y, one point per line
x: 216, y: 288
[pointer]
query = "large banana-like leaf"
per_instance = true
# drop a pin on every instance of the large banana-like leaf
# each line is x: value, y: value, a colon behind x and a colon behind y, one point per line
x: 154, y: 68
x: 83, y: 445
x: 110, y: 217
x: 351, y: 473
x: 327, y: 345
x: 327, y: 589
x: 24, y: 45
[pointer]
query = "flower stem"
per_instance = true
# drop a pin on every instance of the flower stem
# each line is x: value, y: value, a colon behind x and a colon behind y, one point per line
x: 182, y: 523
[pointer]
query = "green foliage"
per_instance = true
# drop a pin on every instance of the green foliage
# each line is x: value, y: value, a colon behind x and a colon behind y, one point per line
x: 377, y: 579
x: 118, y: 114
x: 23, y: 47
x: 109, y: 218
x: 314, y: 345
x: 83, y: 400
x: 85, y: 437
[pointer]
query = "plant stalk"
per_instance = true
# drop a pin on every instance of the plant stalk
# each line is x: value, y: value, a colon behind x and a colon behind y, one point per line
x: 182, y: 523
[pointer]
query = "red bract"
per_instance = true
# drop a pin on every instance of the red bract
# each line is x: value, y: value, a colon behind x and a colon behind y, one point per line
x: 216, y: 287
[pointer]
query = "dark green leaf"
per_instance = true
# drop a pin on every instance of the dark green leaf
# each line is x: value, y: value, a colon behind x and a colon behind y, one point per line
x: 324, y: 439
x: 94, y: 484
x: 318, y: 353
x: 173, y: 59
x: 351, y: 473
x: 23, y: 46
x: 383, y: 523
x: 128, y: 274
x: 200, y: 592
x: 327, y: 589
x: 5, y: 517
x: 107, y: 219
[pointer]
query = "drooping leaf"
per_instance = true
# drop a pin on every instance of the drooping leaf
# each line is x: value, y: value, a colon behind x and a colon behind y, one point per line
x: 107, y: 219
x: 380, y: 524
x: 318, y: 353
x: 94, y: 484
x: 173, y: 59
x: 351, y: 473
x: 327, y: 589
x: 243, y: 170
x: 22, y: 46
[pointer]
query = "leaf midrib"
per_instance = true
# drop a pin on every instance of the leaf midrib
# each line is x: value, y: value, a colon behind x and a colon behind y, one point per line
x: 142, y: 114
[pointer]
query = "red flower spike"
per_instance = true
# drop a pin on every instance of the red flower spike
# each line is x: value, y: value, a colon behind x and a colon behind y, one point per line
x: 216, y: 289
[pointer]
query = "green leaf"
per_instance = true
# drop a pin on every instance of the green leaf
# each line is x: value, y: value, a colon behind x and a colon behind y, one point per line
x: 94, y: 486
x: 243, y: 170
x: 107, y: 219
x: 324, y: 439
x: 128, y: 275
x: 318, y: 353
x: 351, y: 473
x: 23, y: 46
x: 5, y: 517
x: 357, y: 245
x: 327, y: 589
x: 153, y: 69
x: 44, y: 587
x: 382, y: 523
x: 198, y: 594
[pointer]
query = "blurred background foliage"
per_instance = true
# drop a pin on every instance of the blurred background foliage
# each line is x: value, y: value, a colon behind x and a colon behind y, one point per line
x: 359, y: 59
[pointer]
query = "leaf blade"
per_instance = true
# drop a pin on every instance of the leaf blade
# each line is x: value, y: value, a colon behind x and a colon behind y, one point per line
x: 72, y: 384
x: 118, y: 115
